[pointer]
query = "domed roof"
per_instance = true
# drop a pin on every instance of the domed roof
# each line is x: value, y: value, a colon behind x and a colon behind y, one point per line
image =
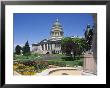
x: 57, y: 23
x: 56, y: 30
x: 88, y: 25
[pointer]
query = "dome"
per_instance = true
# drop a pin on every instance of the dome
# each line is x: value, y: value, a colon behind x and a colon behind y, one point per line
x: 57, y: 23
x: 56, y: 30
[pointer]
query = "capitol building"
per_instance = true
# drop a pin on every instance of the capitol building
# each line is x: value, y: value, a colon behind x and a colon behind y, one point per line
x: 51, y: 45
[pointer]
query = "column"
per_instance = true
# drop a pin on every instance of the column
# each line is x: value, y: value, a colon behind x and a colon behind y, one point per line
x: 54, y: 33
x: 58, y: 33
x: 60, y: 46
x: 47, y: 46
x: 51, y: 47
x: 44, y: 46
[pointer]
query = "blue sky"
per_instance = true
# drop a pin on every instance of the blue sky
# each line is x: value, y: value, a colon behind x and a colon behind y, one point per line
x: 36, y: 26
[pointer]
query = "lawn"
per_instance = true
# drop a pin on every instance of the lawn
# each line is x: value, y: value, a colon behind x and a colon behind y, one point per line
x: 68, y: 63
x: 30, y: 57
x: 55, y: 58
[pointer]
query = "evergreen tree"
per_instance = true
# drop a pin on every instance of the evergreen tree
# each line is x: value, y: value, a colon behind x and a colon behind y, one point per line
x: 26, y: 49
x: 18, y: 50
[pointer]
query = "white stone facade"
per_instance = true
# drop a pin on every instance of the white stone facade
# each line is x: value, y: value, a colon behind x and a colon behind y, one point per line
x: 53, y: 44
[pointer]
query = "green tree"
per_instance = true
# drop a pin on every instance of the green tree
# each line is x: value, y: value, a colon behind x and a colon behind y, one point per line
x: 66, y: 45
x: 81, y: 45
x: 18, y: 50
x: 26, y: 49
x: 69, y: 47
x: 74, y: 46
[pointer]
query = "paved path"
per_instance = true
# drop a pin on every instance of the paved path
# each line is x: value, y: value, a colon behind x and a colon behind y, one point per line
x: 61, y: 71
x: 67, y: 70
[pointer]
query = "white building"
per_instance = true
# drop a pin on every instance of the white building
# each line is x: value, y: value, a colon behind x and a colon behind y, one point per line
x: 53, y: 44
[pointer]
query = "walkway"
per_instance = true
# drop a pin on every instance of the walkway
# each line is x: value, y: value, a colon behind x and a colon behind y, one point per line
x: 61, y: 71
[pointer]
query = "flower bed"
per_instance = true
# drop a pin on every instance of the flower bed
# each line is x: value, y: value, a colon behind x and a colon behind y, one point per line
x: 24, y: 70
x: 29, y: 67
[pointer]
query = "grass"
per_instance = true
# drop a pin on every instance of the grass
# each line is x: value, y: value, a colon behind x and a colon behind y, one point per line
x: 30, y: 57
x: 69, y: 63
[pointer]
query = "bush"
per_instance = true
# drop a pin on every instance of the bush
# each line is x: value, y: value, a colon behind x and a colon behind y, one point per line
x: 29, y: 67
x: 78, y: 62
x: 57, y: 63
x: 24, y: 70
x: 51, y: 62
x: 29, y: 63
x: 41, y: 65
x: 67, y: 58
x: 62, y: 64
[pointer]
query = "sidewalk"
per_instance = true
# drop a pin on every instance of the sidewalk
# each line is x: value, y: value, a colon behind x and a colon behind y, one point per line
x: 48, y: 71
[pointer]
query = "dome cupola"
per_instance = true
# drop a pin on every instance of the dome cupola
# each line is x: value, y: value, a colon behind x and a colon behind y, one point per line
x: 56, y: 30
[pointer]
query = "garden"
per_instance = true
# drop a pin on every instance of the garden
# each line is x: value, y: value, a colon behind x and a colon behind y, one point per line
x: 33, y: 64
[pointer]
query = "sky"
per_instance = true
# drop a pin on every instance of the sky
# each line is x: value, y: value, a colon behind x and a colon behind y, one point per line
x: 35, y: 27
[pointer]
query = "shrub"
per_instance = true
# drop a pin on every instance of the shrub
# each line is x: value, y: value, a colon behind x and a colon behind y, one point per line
x: 57, y: 63
x: 51, y: 62
x: 41, y: 65
x: 24, y: 70
x: 62, y: 64
x: 78, y: 62
x: 29, y: 63
x: 67, y: 58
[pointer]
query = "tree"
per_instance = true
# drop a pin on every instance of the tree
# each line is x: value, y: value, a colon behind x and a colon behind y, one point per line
x: 26, y: 49
x: 18, y: 50
x: 74, y: 46
x: 66, y: 45
x: 69, y: 47
x: 81, y: 47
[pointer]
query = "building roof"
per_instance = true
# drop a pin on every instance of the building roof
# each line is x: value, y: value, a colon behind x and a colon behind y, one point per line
x: 57, y: 25
x: 45, y: 41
